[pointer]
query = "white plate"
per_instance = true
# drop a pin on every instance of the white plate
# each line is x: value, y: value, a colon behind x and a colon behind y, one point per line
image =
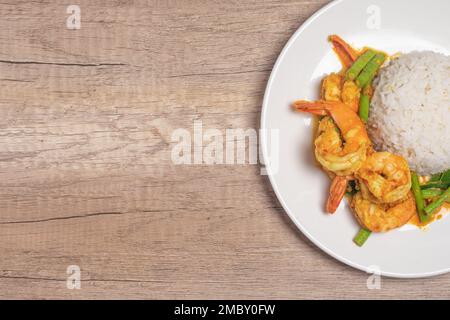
x: 301, y: 187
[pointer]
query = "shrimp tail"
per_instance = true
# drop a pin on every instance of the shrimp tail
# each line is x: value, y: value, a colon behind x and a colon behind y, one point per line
x: 346, y: 53
x: 337, y: 192
x: 320, y: 108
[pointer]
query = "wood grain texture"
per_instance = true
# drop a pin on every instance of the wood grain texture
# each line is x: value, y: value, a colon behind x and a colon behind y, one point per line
x: 86, y: 176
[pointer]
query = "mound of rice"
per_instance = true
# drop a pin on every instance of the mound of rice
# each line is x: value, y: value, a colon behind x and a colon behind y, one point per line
x: 410, y: 111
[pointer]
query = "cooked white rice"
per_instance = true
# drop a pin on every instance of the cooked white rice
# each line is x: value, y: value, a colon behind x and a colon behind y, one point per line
x: 410, y: 111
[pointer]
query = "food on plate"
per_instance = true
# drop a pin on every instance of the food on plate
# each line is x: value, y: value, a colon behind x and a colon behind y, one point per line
x: 342, y: 141
x: 382, y: 217
x: 384, y: 178
x: 382, y: 136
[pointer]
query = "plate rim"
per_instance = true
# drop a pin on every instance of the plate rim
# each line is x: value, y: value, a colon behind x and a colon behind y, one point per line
x: 297, y: 223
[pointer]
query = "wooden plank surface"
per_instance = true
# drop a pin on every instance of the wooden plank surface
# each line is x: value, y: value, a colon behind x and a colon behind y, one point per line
x: 86, y: 176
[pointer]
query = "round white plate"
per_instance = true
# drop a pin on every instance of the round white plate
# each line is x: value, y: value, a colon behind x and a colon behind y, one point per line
x: 301, y: 187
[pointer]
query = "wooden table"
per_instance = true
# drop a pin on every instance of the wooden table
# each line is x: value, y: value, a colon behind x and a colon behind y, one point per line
x: 86, y: 125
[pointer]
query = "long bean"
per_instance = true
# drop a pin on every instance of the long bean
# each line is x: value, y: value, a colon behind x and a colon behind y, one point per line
x: 362, y: 237
x: 420, y: 204
x: 436, y: 185
x: 364, y: 105
x: 370, y: 70
x: 359, y: 64
x: 432, y: 207
x: 440, y: 179
x: 431, y: 193
x: 443, y: 177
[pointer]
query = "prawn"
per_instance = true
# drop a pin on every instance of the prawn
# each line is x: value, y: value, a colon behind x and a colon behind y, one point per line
x: 332, y: 87
x: 384, y: 178
x: 337, y: 192
x: 342, y: 142
x: 351, y: 95
x: 346, y: 53
x: 335, y: 89
x: 383, y: 217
